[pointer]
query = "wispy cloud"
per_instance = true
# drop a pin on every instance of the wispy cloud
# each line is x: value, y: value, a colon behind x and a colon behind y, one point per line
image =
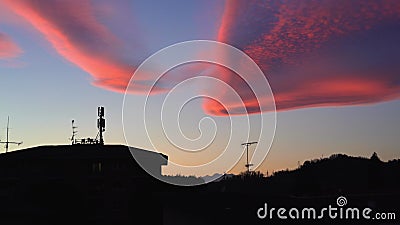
x: 314, y: 53
x: 317, y: 53
x: 75, y: 31
x: 8, y: 48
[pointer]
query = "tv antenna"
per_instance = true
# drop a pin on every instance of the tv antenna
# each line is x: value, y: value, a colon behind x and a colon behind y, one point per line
x: 247, y: 144
x: 74, y: 131
x: 7, y: 142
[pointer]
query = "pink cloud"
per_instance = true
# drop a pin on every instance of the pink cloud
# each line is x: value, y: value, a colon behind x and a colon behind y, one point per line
x: 315, y: 53
x: 77, y: 34
x: 8, y: 48
x: 86, y: 34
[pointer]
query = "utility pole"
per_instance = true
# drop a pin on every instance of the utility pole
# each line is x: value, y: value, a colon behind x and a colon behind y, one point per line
x: 7, y: 142
x: 247, y: 144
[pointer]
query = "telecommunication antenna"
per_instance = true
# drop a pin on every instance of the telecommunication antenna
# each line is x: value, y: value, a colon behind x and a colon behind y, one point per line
x: 74, y: 131
x: 101, y: 123
x: 101, y: 126
x: 7, y: 142
x: 247, y: 144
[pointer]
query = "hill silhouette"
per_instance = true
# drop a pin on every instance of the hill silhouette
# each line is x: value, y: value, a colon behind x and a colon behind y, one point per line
x: 336, y: 174
x: 365, y: 182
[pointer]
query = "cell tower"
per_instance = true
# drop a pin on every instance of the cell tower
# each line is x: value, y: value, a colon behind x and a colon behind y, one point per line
x: 74, y: 131
x: 101, y: 123
x: 7, y: 142
x: 247, y: 144
x: 101, y: 126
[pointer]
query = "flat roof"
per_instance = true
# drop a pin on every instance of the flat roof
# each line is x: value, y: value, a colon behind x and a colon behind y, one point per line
x: 78, y: 151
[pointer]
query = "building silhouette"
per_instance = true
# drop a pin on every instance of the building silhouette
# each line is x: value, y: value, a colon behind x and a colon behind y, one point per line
x: 79, y: 184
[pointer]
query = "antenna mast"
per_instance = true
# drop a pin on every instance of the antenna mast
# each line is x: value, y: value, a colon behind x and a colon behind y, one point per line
x: 101, y: 126
x: 73, y: 132
x: 247, y: 144
x: 101, y: 123
x: 7, y: 142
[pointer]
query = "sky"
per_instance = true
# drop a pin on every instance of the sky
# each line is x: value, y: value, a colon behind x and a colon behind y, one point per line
x: 333, y: 68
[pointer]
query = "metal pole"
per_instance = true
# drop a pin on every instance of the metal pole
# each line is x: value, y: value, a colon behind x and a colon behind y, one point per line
x: 101, y: 135
x: 8, y: 122
x: 7, y: 142
x: 247, y: 144
x: 248, y: 165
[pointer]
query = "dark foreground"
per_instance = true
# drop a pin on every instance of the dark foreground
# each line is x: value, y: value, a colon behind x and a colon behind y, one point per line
x: 102, y: 185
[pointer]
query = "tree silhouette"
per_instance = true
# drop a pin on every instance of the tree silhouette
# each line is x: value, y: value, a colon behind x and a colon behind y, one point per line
x: 375, y: 157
